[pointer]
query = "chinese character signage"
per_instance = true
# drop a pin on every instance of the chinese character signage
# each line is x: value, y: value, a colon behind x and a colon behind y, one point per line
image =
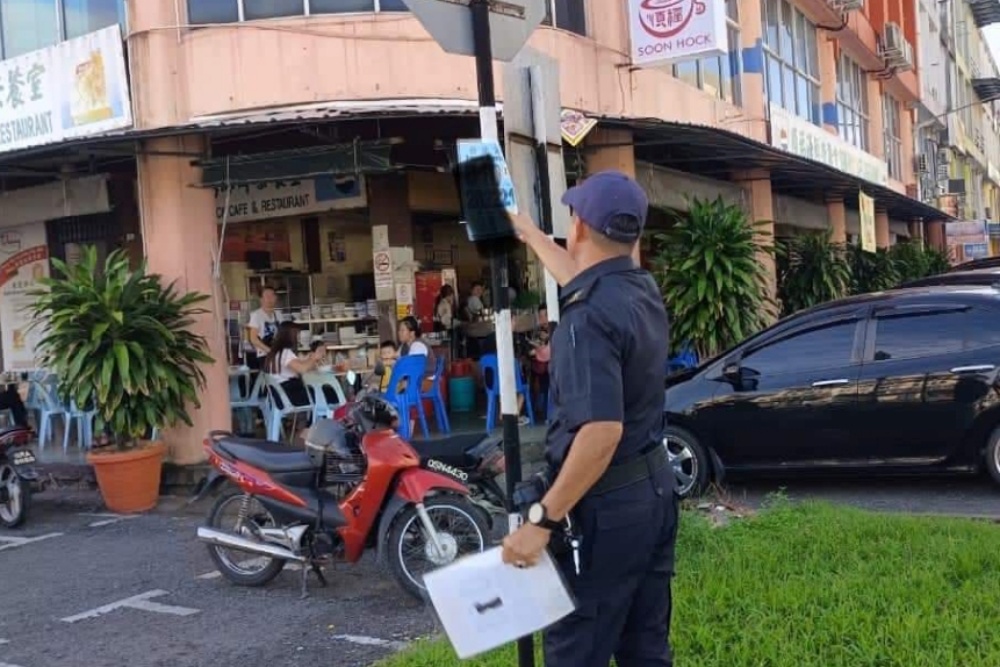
x: 280, y: 199
x: 866, y: 217
x: 24, y: 260
x: 665, y: 31
x: 800, y: 137
x: 77, y: 88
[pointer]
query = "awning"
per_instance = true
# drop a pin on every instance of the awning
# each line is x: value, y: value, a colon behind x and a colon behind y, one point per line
x: 985, y: 12
x: 273, y: 116
x: 987, y: 90
x: 718, y: 153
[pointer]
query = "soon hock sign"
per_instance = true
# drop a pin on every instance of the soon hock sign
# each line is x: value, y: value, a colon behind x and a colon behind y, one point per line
x: 665, y: 31
x: 77, y: 88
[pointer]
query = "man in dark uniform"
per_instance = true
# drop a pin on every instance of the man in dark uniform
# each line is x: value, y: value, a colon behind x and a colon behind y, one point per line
x: 608, y: 471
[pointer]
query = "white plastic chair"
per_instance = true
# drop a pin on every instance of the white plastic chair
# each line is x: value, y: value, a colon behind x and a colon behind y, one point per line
x: 315, y: 382
x: 255, y: 399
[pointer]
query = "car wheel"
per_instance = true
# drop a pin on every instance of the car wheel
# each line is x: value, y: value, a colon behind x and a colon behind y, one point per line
x: 688, y: 460
x: 992, y: 455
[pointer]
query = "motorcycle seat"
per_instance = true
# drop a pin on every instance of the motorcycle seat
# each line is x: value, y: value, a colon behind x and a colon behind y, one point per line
x: 455, y: 450
x: 268, y: 456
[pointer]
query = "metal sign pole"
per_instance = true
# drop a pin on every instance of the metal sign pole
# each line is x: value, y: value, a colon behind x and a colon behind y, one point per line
x: 480, y: 10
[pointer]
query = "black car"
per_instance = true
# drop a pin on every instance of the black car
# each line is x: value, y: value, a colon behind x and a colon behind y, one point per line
x: 971, y: 277
x: 892, y: 382
x: 976, y: 264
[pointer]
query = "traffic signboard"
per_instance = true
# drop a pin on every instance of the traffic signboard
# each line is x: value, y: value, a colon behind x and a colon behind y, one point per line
x: 449, y: 23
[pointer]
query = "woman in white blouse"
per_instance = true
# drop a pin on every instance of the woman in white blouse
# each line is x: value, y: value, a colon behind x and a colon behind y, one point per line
x: 283, y: 362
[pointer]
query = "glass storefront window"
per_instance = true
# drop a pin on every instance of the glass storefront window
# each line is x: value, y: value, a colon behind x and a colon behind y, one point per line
x: 81, y: 17
x: 28, y: 25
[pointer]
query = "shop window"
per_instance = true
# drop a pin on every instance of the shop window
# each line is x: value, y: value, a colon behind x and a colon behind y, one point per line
x: 28, y: 25
x: 852, y: 103
x: 718, y: 75
x: 271, y: 9
x: 81, y: 17
x: 230, y: 11
x: 893, y: 136
x: 791, y: 59
x: 568, y: 15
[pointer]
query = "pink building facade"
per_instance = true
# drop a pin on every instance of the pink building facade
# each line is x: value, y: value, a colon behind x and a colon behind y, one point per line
x: 805, y: 111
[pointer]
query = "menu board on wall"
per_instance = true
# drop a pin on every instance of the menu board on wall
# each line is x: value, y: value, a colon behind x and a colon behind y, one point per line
x: 24, y: 260
x: 247, y: 237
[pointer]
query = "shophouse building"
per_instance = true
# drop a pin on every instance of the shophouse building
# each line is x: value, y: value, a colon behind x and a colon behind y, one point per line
x: 315, y: 138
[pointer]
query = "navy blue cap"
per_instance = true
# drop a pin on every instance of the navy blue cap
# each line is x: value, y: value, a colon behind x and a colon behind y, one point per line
x: 611, y: 203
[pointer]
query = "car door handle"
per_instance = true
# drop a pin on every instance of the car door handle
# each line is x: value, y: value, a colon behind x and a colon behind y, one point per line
x: 831, y: 383
x: 973, y: 369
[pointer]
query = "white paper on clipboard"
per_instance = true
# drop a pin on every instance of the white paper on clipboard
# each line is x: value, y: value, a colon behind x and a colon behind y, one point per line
x: 484, y: 603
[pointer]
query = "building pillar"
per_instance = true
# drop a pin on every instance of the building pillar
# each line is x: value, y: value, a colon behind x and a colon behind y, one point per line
x: 881, y: 229
x: 828, y: 82
x: 917, y: 230
x: 876, y: 138
x: 180, y: 235
x: 837, y: 214
x: 612, y: 149
x: 935, y: 235
x: 389, y: 204
x: 751, y: 41
x: 760, y: 208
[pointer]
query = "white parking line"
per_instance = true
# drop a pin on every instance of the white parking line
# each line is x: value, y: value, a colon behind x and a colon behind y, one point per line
x: 7, y: 664
x: 253, y: 562
x: 14, y: 542
x: 371, y: 641
x: 107, y: 519
x: 4, y: 641
x: 140, y: 602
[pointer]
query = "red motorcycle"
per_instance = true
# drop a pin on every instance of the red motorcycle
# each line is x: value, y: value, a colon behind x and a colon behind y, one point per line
x: 18, y: 477
x: 355, y: 486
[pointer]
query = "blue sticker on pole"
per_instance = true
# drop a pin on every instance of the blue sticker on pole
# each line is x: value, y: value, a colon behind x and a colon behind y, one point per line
x: 487, y: 190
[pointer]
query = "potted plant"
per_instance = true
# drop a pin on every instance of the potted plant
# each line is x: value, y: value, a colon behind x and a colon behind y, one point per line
x: 119, y: 343
x: 708, y: 265
x: 812, y: 269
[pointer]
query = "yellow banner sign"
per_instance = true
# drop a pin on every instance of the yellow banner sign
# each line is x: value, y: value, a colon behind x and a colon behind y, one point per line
x: 866, y: 213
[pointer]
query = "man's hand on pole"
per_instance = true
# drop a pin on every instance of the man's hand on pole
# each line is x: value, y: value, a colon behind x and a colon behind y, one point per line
x: 554, y: 257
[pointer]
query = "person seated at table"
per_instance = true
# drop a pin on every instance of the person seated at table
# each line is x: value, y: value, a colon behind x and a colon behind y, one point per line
x: 10, y: 399
x: 387, y: 353
x: 283, y: 362
x: 410, y: 342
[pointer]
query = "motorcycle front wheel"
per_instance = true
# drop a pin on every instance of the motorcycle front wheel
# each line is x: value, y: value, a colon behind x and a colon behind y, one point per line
x: 15, y: 497
x: 412, y: 554
x: 238, y: 513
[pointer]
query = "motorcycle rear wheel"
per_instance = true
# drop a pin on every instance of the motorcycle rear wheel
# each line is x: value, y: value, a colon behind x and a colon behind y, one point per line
x: 14, y: 511
x: 242, y: 573
x: 464, y: 532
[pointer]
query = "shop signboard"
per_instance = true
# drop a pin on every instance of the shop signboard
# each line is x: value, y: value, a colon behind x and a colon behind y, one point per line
x: 77, y: 88
x: 666, y: 31
x: 866, y: 215
x: 964, y: 237
x: 993, y: 228
x: 382, y: 261
x: 280, y: 199
x: 976, y: 250
x: 24, y: 261
x: 575, y: 126
x: 800, y: 137
x: 470, y: 149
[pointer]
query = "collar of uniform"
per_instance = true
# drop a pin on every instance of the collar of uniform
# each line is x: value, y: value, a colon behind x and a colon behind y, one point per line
x: 589, y: 276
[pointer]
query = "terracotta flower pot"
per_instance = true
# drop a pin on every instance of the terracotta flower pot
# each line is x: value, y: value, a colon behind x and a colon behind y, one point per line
x: 129, y: 481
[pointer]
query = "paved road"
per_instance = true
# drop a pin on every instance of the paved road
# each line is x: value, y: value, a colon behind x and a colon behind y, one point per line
x: 54, y: 585
x: 60, y: 585
x: 940, y: 495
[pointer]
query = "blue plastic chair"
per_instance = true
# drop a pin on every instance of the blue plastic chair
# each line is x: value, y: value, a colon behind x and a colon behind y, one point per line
x: 84, y: 420
x: 489, y: 367
x: 48, y: 409
x: 275, y: 414
x: 409, y: 369
x: 245, y: 404
x: 437, y: 398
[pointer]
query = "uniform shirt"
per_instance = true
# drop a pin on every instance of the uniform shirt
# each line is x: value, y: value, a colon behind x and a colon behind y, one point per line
x: 608, y: 359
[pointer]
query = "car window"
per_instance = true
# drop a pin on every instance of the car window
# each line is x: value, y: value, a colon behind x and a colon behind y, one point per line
x: 828, y: 346
x: 982, y: 328
x: 907, y: 336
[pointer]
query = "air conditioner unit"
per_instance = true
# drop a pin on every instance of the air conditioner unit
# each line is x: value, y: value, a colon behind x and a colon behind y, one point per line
x: 894, y: 49
x: 956, y: 186
x: 844, y: 6
x: 943, y: 157
x: 920, y: 164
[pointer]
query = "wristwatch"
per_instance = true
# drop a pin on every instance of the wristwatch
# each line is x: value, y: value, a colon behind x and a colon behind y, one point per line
x: 539, y: 516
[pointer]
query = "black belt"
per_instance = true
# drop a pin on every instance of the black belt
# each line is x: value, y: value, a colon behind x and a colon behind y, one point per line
x: 628, y: 473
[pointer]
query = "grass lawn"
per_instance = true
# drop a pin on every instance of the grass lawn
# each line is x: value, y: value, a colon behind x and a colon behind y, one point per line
x: 814, y: 585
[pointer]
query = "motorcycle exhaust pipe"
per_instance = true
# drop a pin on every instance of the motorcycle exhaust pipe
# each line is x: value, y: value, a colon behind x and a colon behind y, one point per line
x: 222, y: 539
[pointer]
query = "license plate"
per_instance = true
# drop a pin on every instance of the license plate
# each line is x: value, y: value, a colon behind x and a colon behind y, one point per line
x: 22, y: 457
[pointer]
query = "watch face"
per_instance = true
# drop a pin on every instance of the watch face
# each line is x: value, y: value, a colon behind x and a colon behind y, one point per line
x: 536, y: 513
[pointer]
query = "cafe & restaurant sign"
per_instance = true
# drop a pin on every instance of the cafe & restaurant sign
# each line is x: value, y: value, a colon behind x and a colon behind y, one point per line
x: 77, y: 88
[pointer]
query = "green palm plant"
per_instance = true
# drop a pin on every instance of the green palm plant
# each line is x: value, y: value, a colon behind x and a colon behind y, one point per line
x: 119, y: 342
x: 871, y: 272
x: 811, y: 269
x: 713, y: 283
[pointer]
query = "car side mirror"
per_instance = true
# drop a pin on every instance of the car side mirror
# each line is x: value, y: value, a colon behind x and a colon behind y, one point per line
x: 732, y: 371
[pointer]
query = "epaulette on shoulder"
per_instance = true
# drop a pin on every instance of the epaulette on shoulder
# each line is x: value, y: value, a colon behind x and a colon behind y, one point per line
x: 576, y: 296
